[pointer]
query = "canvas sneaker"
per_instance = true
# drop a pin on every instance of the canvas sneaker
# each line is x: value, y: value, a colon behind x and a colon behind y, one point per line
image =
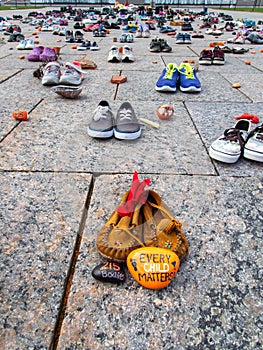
x: 229, y: 147
x: 187, y: 38
x: 189, y: 81
x: 206, y: 57
x: 254, y: 146
x: 168, y: 79
x: 218, y: 56
x: 73, y: 74
x: 126, y: 126
x: 52, y: 74
x: 179, y: 38
x: 101, y: 125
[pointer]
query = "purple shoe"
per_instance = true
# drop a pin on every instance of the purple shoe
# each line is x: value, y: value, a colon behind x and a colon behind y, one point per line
x: 34, y: 56
x: 48, y: 55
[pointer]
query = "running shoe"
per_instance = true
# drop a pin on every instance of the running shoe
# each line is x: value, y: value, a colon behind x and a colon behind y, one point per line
x: 168, y: 79
x: 73, y: 74
x: 189, y: 81
x: 52, y: 74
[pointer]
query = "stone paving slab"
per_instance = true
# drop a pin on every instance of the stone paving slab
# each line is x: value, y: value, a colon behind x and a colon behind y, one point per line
x: 212, y: 123
x: 46, y: 142
x: 214, y: 300
x: 40, y: 216
x: 47, y: 167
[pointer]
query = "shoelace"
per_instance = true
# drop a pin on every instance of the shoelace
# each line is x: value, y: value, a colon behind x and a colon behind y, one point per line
x: 206, y: 54
x: 259, y: 131
x: 125, y: 114
x: 71, y: 70
x: 52, y: 69
x: 188, y: 71
x: 100, y: 112
x: 169, y: 72
x: 233, y: 135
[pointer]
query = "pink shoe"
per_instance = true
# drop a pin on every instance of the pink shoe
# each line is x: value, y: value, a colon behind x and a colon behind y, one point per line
x: 34, y: 56
x: 48, y: 55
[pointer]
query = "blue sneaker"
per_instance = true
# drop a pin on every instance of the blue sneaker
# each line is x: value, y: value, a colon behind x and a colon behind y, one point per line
x: 168, y: 79
x: 188, y: 79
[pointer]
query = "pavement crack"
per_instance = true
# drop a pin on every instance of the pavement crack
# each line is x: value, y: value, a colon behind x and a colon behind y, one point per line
x: 71, y: 272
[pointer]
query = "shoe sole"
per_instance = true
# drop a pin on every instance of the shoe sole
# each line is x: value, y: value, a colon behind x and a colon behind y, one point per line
x: 219, y: 63
x: 205, y: 62
x: 253, y: 155
x: 100, y: 134
x: 127, y: 136
x: 165, y: 89
x: 190, y: 89
x: 223, y: 157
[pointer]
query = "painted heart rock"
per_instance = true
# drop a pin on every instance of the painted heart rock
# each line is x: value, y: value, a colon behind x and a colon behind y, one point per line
x: 153, y: 267
x: 109, y: 272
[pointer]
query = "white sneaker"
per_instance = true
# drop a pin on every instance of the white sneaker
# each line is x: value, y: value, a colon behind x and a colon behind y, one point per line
x: 21, y: 45
x: 114, y: 55
x: 228, y: 147
x: 146, y: 31
x: 52, y: 74
x: 254, y: 146
x: 30, y: 44
x: 127, y: 54
x: 73, y: 74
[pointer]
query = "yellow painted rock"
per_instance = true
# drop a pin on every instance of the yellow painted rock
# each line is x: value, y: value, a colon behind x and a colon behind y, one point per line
x: 153, y: 267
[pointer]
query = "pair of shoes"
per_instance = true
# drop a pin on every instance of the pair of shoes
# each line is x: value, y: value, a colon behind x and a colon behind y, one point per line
x: 79, y: 25
x: 183, y: 38
x: 85, y: 45
x: 41, y: 53
x: 26, y: 45
x: 144, y: 30
x: 198, y: 35
x: 16, y: 37
x: 237, y: 141
x: 124, y: 127
x: 126, y: 38
x: 53, y: 76
x: 187, y: 27
x: 123, y: 54
x: 185, y: 75
x: 141, y: 220
x: 99, y: 32
x: 208, y: 57
x: 159, y: 45
x: 166, y: 29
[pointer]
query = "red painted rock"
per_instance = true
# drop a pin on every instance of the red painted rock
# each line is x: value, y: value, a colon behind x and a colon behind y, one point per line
x: 153, y: 267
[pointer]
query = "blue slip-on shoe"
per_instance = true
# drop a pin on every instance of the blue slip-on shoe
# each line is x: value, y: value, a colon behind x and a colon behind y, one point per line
x: 168, y: 80
x: 188, y: 78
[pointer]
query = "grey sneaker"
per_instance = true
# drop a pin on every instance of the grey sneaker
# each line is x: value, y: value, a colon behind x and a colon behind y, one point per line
x: 52, y: 74
x: 101, y: 125
x: 72, y: 76
x: 127, y: 126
